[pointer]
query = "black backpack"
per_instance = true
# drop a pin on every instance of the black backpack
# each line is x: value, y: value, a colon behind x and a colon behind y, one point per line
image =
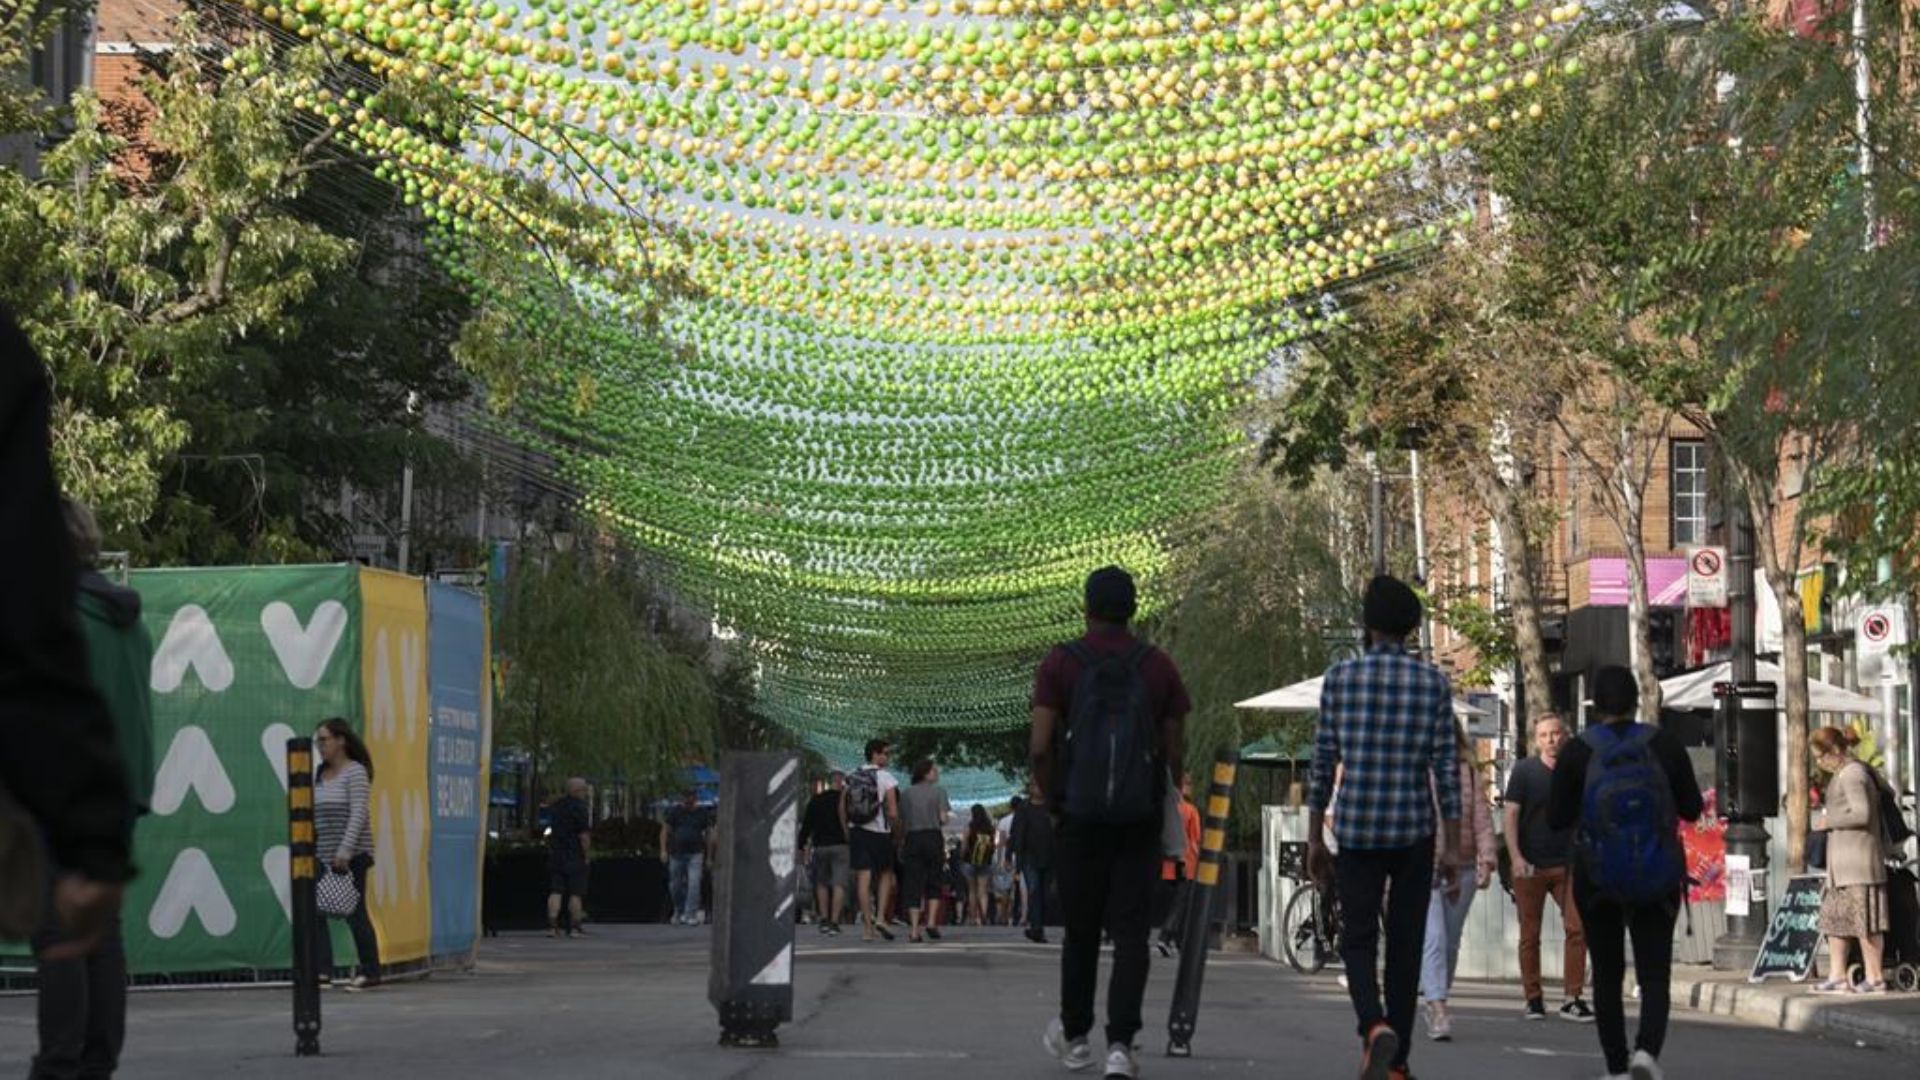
x: 1110, y: 765
x: 863, y: 796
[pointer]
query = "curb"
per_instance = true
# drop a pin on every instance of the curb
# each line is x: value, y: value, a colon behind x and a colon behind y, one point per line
x: 1893, y: 1024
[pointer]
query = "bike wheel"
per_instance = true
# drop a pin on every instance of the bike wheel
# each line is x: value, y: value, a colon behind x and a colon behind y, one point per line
x: 1301, y: 940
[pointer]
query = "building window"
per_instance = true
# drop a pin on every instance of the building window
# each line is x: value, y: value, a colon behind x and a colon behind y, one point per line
x: 1689, y: 485
x: 1575, y: 510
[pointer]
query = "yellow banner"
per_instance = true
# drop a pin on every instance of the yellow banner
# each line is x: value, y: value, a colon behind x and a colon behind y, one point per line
x: 393, y: 673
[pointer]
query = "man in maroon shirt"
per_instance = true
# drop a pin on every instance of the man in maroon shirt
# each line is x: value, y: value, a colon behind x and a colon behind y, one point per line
x: 1107, y: 869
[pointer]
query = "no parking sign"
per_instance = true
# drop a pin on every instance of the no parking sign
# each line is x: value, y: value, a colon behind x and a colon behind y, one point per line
x: 1707, y: 577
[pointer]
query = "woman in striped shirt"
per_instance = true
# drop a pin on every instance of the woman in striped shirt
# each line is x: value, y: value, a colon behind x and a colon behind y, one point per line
x: 344, y: 839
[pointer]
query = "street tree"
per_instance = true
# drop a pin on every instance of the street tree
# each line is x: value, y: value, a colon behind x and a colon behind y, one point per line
x: 1711, y: 174
x: 132, y: 286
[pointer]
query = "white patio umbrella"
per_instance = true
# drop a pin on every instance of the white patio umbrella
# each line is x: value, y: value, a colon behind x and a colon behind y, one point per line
x: 1304, y: 696
x: 1694, y: 690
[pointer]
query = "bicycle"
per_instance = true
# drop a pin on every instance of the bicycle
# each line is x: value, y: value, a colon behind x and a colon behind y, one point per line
x: 1310, y: 923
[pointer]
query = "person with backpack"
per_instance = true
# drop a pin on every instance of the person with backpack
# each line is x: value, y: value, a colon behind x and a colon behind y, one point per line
x: 869, y: 808
x: 1386, y: 725
x: 1109, y: 717
x: 1853, y: 906
x: 976, y: 863
x: 1624, y: 788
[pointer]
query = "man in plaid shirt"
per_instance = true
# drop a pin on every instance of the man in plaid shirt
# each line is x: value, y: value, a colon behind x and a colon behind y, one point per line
x: 1386, y: 722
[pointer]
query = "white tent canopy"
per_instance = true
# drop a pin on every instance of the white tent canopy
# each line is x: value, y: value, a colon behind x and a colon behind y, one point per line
x: 1694, y: 690
x: 1304, y: 696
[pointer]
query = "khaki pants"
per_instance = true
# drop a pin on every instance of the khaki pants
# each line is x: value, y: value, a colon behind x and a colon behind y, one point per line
x: 1530, y: 896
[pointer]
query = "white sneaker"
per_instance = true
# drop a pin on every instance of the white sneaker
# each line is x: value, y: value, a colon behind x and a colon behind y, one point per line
x: 1645, y: 1067
x: 1120, y: 1064
x: 1074, y: 1054
x: 1439, y: 1022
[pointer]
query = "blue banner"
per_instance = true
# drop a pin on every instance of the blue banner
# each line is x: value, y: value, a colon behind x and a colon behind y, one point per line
x: 457, y: 693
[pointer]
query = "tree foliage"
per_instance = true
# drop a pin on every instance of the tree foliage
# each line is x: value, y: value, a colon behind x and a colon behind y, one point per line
x: 596, y: 683
x: 132, y: 287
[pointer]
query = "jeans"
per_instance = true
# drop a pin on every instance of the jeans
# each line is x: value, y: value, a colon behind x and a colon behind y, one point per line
x: 685, y: 874
x: 1107, y: 875
x: 1652, y: 930
x: 1038, y: 881
x: 1530, y: 897
x: 1446, y: 918
x: 365, y: 944
x: 83, y: 1011
x: 1401, y: 879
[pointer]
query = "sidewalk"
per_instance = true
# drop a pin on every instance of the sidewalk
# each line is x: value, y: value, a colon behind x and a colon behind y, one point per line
x: 1891, y: 1022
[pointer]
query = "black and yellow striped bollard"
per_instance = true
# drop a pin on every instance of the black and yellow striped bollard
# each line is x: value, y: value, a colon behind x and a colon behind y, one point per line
x: 302, y: 866
x: 1185, y: 1011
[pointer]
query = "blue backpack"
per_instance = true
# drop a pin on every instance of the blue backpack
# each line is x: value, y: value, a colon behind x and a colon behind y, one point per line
x: 1629, y: 841
x: 1111, y: 753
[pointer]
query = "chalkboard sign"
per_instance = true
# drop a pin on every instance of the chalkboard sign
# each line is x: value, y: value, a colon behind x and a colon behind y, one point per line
x: 1794, y: 936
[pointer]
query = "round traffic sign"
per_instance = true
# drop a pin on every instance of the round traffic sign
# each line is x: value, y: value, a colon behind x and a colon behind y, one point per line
x: 1706, y: 562
x: 1876, y: 627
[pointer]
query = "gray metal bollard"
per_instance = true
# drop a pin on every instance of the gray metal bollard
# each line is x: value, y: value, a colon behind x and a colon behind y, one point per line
x: 751, y: 980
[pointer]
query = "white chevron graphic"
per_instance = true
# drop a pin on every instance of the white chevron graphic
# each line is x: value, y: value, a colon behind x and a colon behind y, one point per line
x: 386, y: 866
x: 190, y: 642
x: 273, y: 863
x: 413, y: 653
x: 192, y: 888
x: 191, y: 764
x: 382, y: 706
x: 413, y: 829
x: 273, y: 742
x: 304, y: 652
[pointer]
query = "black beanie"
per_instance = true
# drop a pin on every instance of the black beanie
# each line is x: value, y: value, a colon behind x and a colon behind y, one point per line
x: 1616, y: 692
x: 1110, y: 595
x: 1390, y: 606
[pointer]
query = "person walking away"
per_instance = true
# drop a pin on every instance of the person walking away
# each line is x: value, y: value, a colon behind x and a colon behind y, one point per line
x: 924, y: 810
x: 869, y: 807
x: 1539, y: 854
x: 1109, y: 716
x: 824, y: 841
x: 1624, y: 788
x: 569, y: 839
x: 976, y: 853
x: 1853, y: 905
x: 83, y: 1000
x: 343, y: 831
x: 1032, y: 840
x: 1386, y: 724
x: 1176, y: 875
x: 63, y: 784
x: 1008, y: 889
x: 684, y: 837
x: 1447, y: 909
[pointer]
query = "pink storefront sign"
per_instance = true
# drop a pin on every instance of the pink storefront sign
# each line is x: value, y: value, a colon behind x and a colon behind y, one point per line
x: 1666, y: 581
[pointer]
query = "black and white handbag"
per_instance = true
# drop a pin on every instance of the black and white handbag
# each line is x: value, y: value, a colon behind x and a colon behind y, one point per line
x: 335, y: 894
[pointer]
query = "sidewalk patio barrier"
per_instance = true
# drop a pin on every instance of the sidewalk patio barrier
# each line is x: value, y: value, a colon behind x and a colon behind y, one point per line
x: 1490, y: 943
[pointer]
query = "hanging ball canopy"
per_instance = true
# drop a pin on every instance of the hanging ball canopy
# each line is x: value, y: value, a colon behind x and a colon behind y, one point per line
x: 881, y: 323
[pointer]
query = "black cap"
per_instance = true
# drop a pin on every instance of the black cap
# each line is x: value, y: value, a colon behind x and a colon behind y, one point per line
x: 1390, y: 606
x: 1110, y: 595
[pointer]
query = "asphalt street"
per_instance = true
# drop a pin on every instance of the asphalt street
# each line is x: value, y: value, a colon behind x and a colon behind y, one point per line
x: 632, y: 1002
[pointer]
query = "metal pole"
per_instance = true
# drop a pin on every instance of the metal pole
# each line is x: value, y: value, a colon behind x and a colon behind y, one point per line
x: 1746, y: 834
x: 1420, y: 556
x: 1862, y: 95
x: 406, y: 512
x: 1185, y: 1010
x: 301, y: 868
x: 1377, y: 514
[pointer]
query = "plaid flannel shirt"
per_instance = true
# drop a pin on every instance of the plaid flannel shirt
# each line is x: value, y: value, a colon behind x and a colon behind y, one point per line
x: 1388, y: 718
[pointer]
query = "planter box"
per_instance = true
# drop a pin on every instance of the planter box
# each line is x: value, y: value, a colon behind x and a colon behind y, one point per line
x: 620, y: 889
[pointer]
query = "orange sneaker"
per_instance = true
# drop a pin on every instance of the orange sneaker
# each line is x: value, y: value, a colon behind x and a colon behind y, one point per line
x: 1383, y: 1045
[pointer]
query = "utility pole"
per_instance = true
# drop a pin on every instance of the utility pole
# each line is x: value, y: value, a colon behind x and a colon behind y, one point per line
x: 1420, y: 556
x: 1746, y: 831
x: 1377, y: 517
